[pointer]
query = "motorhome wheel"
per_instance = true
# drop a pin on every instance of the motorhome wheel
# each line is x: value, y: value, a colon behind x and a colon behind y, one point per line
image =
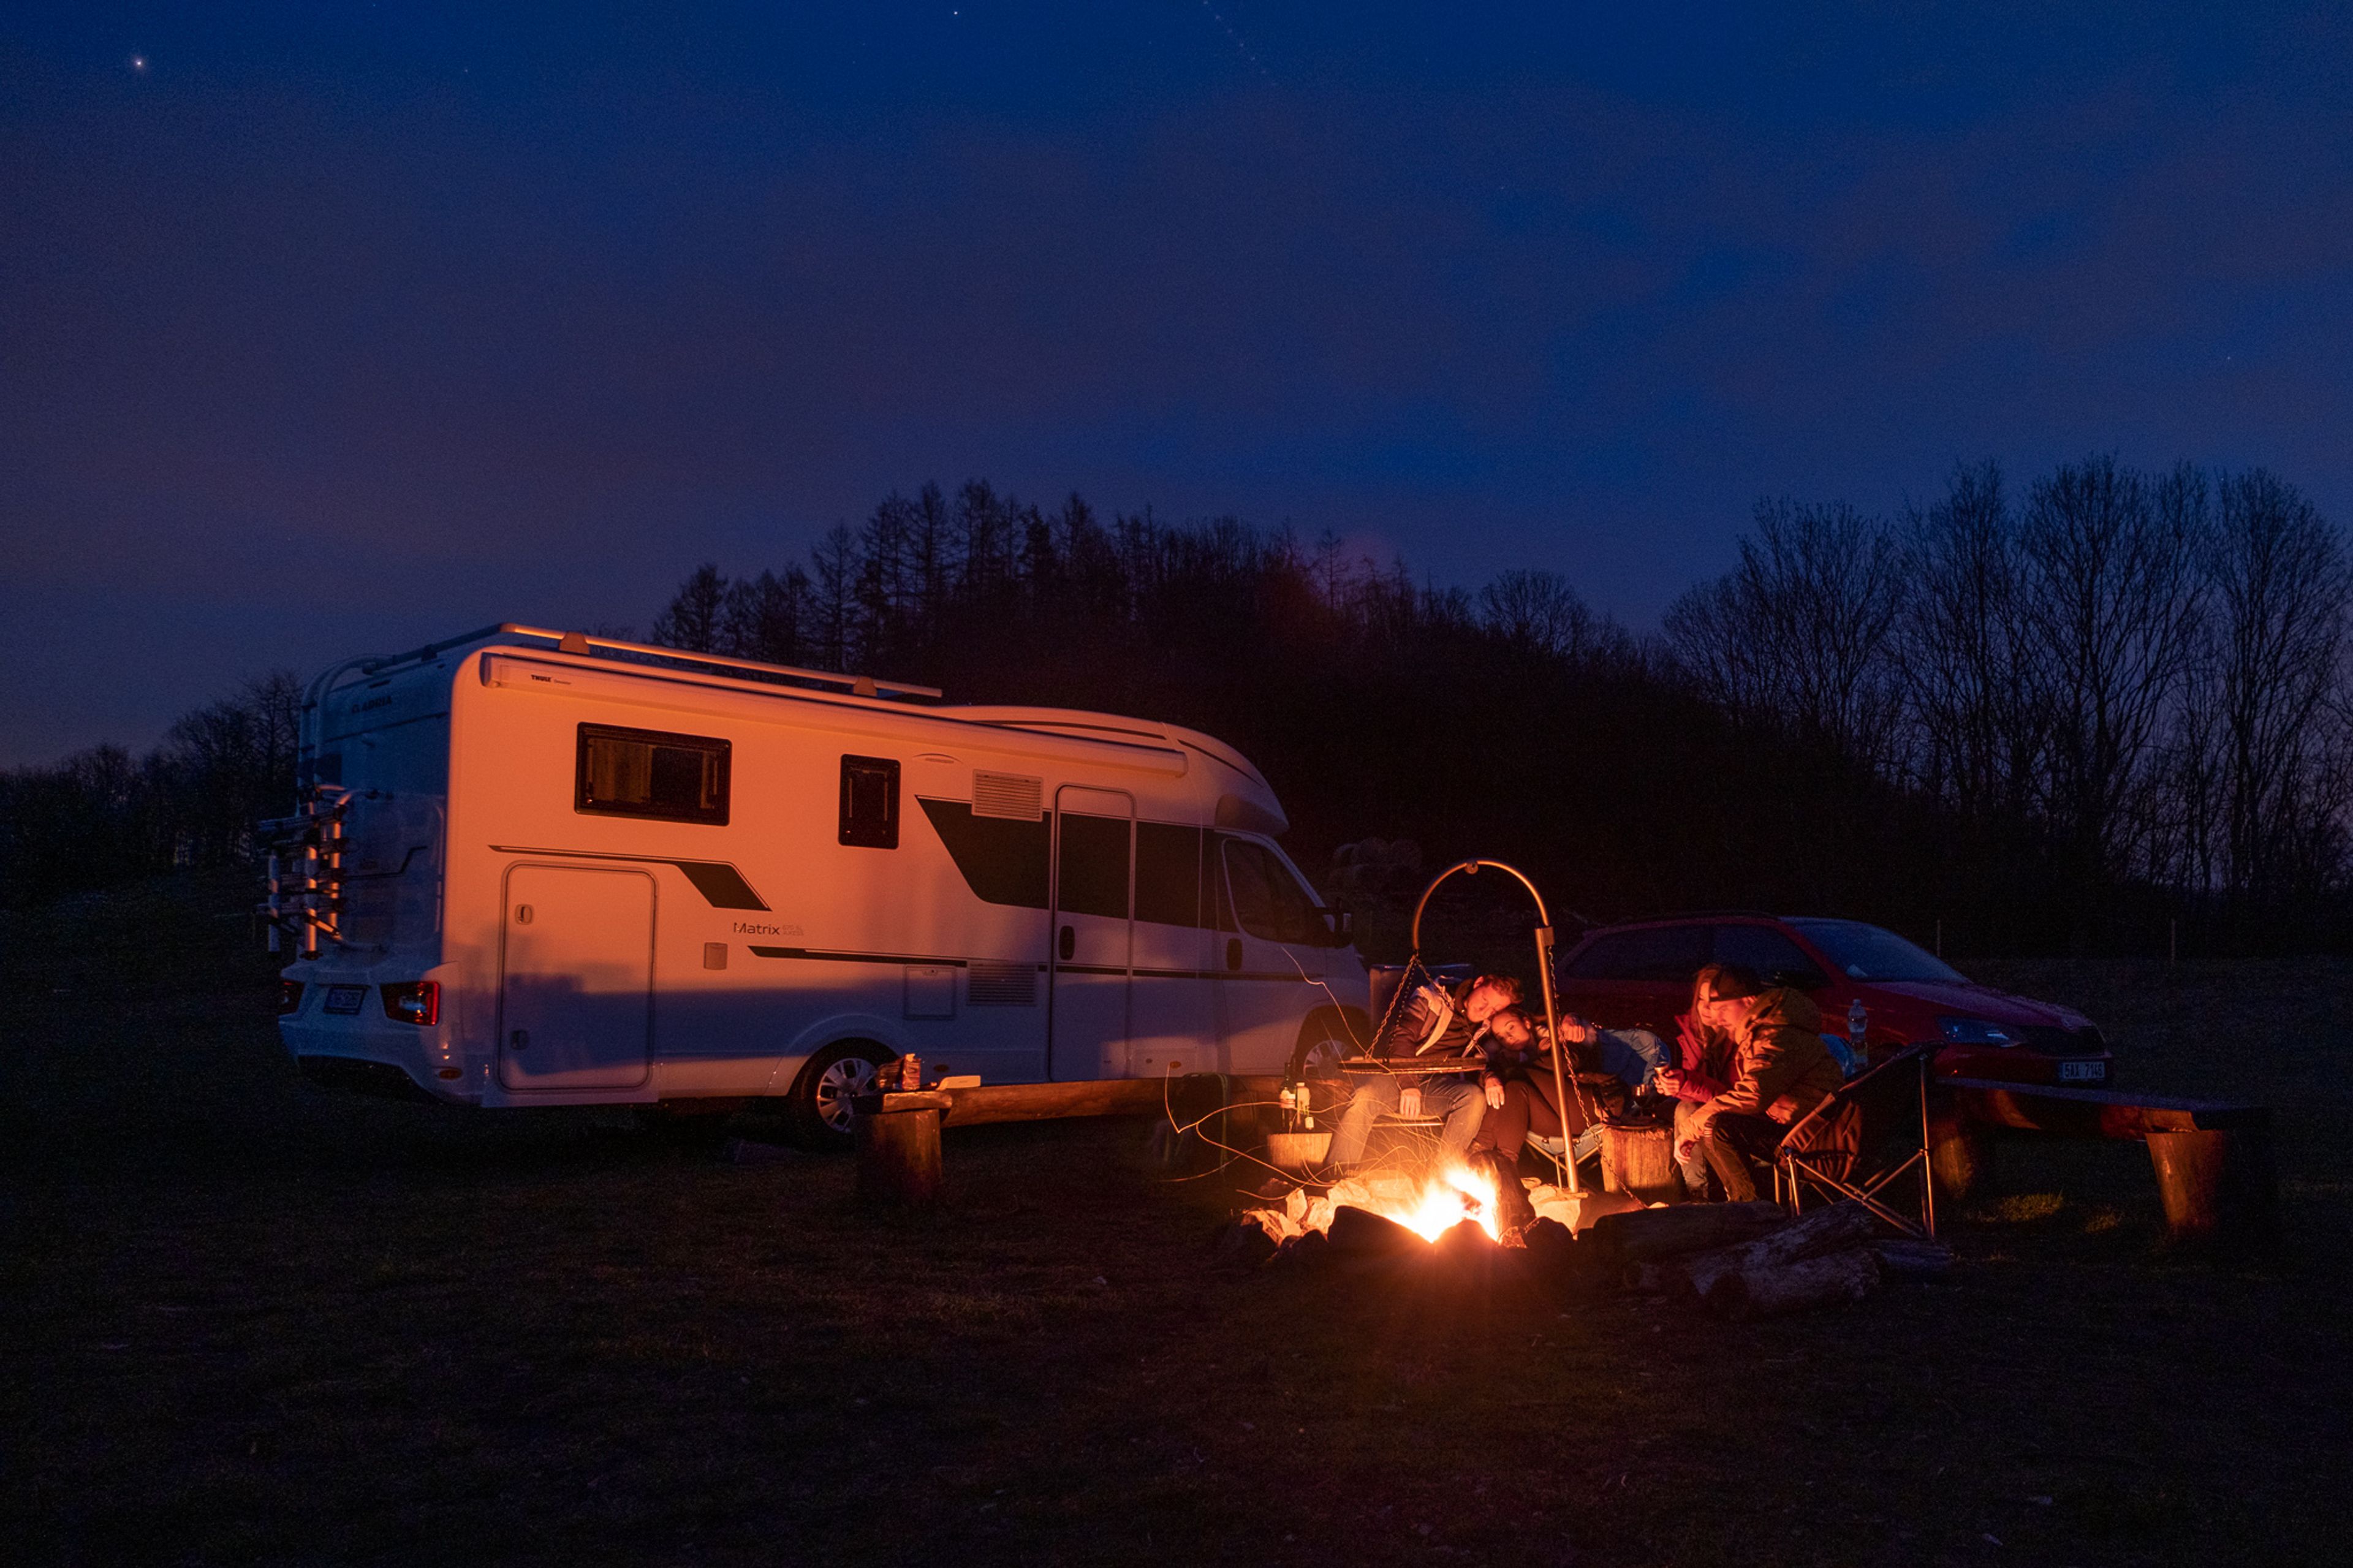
x: 822, y: 1095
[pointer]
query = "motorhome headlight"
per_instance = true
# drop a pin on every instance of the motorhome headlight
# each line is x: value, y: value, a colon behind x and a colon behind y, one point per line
x: 1976, y: 1032
x: 415, y: 1001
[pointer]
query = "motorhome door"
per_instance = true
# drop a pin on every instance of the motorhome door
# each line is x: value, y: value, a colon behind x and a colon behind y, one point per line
x: 576, y: 990
x: 1272, y: 964
x: 1092, y: 953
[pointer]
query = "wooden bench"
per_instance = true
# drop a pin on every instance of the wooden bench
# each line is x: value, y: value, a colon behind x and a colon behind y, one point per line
x: 2212, y: 1158
x: 898, y: 1131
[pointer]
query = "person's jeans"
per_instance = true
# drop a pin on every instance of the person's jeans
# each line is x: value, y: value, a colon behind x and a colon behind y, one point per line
x: 1693, y: 1166
x: 1732, y: 1142
x: 1463, y: 1104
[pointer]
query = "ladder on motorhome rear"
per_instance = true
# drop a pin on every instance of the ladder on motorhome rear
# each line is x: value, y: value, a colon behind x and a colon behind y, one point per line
x: 306, y: 871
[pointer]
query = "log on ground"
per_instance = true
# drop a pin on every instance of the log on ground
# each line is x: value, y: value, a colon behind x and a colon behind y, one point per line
x: 1915, y: 1259
x: 1360, y: 1233
x: 1645, y: 1234
x: 1817, y: 1282
x: 1830, y: 1229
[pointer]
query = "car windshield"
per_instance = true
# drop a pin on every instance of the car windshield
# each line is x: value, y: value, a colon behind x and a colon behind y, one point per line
x: 1867, y: 953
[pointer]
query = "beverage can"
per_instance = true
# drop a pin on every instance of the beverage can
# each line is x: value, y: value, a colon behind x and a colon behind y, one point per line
x: 910, y: 1072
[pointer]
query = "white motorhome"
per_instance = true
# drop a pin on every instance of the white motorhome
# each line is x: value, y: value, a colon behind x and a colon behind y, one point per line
x: 532, y: 868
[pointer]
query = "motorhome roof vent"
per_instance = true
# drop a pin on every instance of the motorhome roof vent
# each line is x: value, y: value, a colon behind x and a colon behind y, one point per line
x: 1008, y: 794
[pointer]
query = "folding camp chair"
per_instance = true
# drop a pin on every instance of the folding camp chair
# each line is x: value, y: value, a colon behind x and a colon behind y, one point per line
x: 1867, y: 1136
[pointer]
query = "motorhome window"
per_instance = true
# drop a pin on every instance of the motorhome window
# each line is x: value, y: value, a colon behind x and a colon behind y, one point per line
x: 1093, y: 879
x: 1216, y: 904
x: 1268, y: 900
x: 869, y: 802
x: 1168, y: 873
x: 651, y: 772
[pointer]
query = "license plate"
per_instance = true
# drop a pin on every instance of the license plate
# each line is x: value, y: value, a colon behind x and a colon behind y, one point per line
x: 2069, y: 1072
x: 346, y: 999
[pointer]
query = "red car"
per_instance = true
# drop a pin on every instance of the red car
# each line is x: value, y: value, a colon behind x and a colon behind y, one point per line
x: 1640, y: 976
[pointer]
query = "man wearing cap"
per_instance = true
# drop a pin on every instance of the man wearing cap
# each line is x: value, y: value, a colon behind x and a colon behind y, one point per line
x: 1781, y: 1070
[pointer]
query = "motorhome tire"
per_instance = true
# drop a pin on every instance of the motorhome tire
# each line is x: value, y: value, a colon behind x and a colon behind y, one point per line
x: 821, y: 1095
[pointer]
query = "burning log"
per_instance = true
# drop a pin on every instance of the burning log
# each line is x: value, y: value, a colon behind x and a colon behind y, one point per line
x: 1825, y: 1230
x: 1642, y: 1234
x: 1361, y: 1233
x: 1817, y: 1282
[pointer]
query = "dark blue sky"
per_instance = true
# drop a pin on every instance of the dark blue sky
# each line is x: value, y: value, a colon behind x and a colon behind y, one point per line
x: 336, y: 328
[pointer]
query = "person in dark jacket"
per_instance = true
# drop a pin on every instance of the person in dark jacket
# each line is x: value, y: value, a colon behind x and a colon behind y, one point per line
x: 1436, y: 1021
x: 1780, y: 1069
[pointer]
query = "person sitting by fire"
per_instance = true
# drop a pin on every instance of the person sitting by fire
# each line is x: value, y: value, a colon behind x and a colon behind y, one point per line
x: 1436, y: 1021
x: 1699, y: 1070
x: 1779, y: 1070
x: 1521, y: 1090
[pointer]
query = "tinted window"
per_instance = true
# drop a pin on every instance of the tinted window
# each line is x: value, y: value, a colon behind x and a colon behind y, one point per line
x: 1168, y: 873
x: 1094, y: 866
x: 869, y: 802
x: 651, y: 772
x: 1867, y: 953
x: 1770, y: 953
x: 1654, y: 953
x: 1268, y: 900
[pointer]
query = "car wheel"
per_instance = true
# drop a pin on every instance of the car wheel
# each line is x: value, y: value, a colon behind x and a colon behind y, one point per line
x: 822, y: 1094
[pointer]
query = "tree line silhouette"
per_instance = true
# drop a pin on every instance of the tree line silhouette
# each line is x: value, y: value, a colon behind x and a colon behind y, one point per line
x: 2053, y: 720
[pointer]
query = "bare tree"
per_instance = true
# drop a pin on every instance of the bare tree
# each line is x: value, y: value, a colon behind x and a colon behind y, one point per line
x: 2110, y: 599
x: 1798, y: 633
x: 2280, y: 587
x: 1540, y: 612
x: 835, y: 600
x: 1979, y: 728
x: 767, y: 617
x: 692, y: 619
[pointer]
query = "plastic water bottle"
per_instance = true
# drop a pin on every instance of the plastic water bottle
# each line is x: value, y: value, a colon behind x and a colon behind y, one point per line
x: 1858, y: 1018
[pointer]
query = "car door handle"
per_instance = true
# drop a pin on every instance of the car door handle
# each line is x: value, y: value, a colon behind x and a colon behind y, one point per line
x: 520, y: 1039
x: 1233, y: 952
x: 1068, y: 944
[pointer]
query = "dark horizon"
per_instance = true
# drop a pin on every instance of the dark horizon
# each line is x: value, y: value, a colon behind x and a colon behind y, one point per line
x: 331, y: 334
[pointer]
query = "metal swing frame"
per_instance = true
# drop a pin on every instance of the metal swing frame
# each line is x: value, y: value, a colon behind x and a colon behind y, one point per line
x: 1566, y: 1160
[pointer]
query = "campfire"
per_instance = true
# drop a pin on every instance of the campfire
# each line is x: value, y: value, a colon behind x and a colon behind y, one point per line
x: 1429, y: 1205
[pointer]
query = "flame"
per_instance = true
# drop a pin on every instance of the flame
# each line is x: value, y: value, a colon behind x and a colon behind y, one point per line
x: 1447, y: 1198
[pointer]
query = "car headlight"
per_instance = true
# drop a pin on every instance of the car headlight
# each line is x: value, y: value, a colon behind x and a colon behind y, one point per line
x: 1975, y: 1032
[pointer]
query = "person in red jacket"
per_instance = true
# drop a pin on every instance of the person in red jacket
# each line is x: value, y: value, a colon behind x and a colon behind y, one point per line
x: 1703, y: 1056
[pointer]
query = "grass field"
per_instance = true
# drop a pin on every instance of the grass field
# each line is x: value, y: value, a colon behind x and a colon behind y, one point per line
x: 250, y: 1323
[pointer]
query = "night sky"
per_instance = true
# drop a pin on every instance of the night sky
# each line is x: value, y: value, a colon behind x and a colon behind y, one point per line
x: 331, y: 329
